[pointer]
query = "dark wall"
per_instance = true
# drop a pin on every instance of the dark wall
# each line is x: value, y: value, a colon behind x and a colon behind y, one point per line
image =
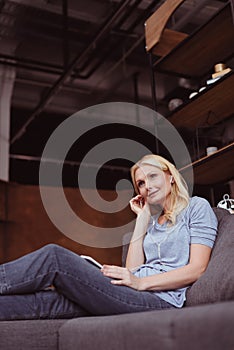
x: 25, y: 226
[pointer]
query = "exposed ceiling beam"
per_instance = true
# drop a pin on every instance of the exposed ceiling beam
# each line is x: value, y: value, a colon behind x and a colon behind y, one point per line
x: 58, y: 84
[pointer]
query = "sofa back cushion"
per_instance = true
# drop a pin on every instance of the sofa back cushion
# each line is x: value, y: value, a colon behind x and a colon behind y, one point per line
x: 217, y: 283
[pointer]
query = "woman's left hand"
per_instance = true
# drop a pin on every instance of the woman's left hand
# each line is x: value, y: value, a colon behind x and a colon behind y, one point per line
x: 122, y: 276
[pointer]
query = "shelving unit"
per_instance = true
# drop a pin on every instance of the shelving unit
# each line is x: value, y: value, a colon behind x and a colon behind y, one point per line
x: 194, y: 57
x: 208, y: 107
x: 213, y: 169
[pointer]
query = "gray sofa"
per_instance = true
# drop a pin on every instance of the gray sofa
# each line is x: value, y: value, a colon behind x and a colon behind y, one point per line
x: 205, y: 322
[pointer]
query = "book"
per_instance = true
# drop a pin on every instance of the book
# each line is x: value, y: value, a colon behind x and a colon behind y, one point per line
x: 91, y: 260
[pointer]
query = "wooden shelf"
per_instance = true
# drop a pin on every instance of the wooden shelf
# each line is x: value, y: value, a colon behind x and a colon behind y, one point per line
x: 207, y: 108
x: 213, y: 169
x: 196, y: 55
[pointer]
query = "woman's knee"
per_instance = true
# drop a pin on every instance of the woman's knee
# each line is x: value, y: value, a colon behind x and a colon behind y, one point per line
x: 51, y: 248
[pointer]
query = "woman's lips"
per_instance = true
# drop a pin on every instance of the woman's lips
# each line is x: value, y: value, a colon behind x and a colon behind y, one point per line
x: 151, y: 194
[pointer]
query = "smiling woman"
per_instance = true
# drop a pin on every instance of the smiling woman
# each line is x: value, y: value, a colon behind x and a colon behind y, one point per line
x: 157, y: 180
x: 169, y: 250
x: 174, y: 234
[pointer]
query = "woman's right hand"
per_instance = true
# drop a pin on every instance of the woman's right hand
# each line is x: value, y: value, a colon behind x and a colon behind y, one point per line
x: 139, y: 206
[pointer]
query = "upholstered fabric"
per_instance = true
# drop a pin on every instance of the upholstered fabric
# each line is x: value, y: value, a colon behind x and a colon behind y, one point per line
x: 29, y: 335
x: 207, y: 327
x: 217, y: 283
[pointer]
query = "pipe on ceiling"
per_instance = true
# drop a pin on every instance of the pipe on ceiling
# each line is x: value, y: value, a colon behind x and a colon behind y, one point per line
x: 68, y: 162
x: 66, y: 53
x: 58, y: 84
x: 56, y: 69
x: 55, y: 88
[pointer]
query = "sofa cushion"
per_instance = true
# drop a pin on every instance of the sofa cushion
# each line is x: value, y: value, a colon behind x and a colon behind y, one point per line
x: 200, y: 327
x: 217, y: 283
x: 30, y: 334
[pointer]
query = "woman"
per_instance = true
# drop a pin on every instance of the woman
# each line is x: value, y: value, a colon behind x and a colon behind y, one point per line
x: 169, y: 250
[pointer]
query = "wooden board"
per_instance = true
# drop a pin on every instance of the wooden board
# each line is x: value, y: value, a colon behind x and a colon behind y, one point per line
x: 209, y: 107
x: 213, y: 169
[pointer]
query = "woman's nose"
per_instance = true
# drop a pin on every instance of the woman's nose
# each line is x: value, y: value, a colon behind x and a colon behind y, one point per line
x: 148, y: 184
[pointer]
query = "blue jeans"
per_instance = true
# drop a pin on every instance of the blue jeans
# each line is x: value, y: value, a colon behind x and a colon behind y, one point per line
x: 80, y: 289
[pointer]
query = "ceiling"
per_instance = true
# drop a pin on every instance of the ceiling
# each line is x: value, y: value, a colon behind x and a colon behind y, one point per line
x: 69, y: 55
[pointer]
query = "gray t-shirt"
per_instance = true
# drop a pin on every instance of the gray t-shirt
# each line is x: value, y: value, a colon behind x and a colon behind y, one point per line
x: 167, y: 247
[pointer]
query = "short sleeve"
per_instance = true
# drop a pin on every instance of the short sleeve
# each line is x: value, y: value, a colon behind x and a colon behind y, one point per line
x: 202, y: 222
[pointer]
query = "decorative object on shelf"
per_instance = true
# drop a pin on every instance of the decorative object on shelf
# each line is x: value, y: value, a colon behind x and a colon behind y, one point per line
x: 220, y: 70
x: 226, y: 203
x: 193, y: 94
x: 174, y: 103
x: 202, y: 88
x: 212, y: 81
x: 211, y: 150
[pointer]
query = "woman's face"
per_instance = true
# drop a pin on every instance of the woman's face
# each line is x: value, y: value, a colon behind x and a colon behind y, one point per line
x: 153, y: 184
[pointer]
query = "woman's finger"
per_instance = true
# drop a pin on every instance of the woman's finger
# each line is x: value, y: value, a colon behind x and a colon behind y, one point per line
x: 114, y: 271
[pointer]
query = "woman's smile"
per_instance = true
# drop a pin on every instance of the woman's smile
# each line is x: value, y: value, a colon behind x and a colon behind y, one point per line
x: 152, y: 193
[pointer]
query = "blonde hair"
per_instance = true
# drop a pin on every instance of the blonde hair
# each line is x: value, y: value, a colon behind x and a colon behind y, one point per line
x: 179, y: 188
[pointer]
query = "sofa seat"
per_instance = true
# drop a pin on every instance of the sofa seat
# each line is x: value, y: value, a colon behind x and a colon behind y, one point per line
x: 30, y: 334
x: 208, y: 327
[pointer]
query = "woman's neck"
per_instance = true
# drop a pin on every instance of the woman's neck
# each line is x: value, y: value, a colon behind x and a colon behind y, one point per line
x: 161, y: 208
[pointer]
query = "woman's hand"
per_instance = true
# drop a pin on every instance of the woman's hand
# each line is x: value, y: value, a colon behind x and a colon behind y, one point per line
x: 142, y: 209
x: 139, y: 205
x: 122, y: 276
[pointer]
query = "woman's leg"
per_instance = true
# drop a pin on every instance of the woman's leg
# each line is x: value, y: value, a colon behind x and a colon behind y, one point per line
x: 76, y: 279
x: 40, y: 305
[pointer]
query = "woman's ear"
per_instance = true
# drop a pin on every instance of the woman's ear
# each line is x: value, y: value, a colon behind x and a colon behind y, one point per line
x: 171, y: 179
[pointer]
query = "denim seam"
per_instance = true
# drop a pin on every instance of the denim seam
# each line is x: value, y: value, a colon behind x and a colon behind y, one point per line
x: 110, y: 295
x: 29, y: 280
x: 33, y: 278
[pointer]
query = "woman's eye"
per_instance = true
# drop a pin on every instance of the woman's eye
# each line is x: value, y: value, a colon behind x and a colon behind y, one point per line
x: 140, y: 183
x: 152, y: 176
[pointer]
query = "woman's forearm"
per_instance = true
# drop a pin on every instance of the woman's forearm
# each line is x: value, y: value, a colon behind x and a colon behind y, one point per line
x: 182, y: 276
x: 178, y: 278
x: 134, y: 259
x: 135, y: 256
